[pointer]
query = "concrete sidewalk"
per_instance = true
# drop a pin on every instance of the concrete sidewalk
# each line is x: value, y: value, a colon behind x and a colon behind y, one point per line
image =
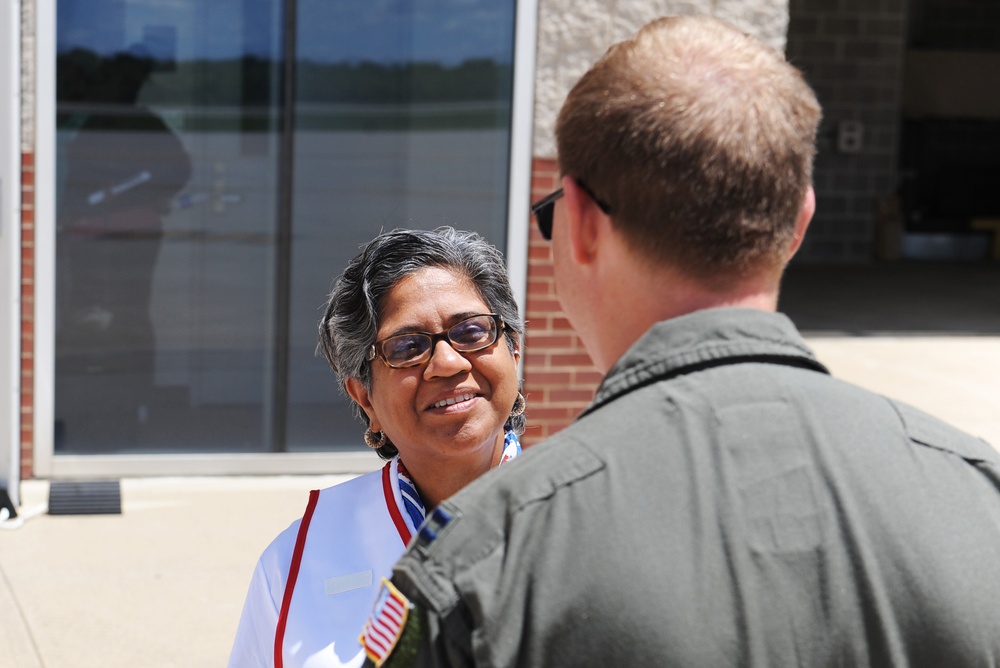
x: 162, y: 584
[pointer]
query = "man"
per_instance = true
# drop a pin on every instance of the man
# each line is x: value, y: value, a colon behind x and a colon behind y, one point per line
x: 723, y: 501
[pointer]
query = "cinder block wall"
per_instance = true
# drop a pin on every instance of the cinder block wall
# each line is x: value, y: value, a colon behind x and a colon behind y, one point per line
x: 852, y: 53
x: 964, y: 25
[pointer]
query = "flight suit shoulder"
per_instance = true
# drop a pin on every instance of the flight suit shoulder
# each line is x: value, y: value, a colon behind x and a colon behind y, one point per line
x: 932, y: 432
x: 470, y: 526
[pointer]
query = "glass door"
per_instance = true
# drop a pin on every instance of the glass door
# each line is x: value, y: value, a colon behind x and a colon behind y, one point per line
x: 168, y: 148
x: 218, y: 164
x: 403, y: 119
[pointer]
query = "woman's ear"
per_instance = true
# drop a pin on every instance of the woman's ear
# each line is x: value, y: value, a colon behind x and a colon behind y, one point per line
x: 357, y: 391
x: 517, y: 349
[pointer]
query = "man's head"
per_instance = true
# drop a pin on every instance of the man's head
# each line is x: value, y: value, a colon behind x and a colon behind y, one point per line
x: 699, y: 140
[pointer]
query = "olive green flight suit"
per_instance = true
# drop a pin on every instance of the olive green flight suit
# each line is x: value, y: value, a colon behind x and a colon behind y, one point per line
x: 723, y: 502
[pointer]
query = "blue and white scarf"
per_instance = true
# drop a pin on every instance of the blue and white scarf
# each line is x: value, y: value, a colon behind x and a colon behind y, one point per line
x: 413, y: 506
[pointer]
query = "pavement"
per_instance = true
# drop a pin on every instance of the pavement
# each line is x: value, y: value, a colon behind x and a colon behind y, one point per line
x: 162, y: 584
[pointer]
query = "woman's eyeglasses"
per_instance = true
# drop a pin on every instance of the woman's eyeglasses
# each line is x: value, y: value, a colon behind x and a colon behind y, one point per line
x: 545, y: 208
x: 469, y: 335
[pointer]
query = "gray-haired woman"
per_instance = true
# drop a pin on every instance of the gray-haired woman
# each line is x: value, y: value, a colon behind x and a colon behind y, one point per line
x: 423, y: 332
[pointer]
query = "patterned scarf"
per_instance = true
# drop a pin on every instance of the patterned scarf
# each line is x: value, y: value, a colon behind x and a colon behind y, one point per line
x: 413, y: 506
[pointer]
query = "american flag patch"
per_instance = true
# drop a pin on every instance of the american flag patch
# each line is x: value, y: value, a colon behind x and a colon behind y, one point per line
x: 386, y: 624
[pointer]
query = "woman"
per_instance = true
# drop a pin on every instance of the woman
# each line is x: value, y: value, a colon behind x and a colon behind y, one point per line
x: 424, y: 335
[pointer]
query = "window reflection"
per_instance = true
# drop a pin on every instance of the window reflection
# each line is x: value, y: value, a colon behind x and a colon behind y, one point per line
x: 189, y: 288
x: 123, y: 168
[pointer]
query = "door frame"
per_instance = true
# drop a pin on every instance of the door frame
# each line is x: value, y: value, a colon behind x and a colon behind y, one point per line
x: 46, y: 463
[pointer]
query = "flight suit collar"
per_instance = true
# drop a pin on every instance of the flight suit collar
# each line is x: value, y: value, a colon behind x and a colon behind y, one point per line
x: 711, y: 337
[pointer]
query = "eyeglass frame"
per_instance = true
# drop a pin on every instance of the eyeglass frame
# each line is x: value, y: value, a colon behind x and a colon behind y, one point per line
x: 544, y: 209
x: 375, y: 350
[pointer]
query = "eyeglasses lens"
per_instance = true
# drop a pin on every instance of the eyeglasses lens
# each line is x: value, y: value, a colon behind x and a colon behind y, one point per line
x: 469, y: 335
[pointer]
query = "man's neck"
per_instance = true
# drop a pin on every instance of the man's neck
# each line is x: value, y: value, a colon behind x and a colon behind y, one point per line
x: 637, y: 300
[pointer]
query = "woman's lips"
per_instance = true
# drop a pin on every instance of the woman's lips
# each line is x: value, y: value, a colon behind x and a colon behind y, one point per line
x: 457, y: 399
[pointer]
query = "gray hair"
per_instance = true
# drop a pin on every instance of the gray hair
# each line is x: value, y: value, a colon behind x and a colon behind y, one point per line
x: 353, y: 310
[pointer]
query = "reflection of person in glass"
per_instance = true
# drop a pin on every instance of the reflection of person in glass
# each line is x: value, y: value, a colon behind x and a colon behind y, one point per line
x: 423, y: 331
x: 124, y: 166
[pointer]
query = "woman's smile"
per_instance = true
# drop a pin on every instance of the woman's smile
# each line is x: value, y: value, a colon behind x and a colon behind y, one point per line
x: 457, y: 403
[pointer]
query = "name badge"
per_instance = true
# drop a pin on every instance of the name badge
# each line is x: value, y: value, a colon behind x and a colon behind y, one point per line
x: 349, y: 582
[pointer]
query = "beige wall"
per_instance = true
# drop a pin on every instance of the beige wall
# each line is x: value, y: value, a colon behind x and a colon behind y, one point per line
x: 572, y: 34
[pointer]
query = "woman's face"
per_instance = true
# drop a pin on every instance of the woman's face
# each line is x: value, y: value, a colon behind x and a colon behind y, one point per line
x: 408, y: 404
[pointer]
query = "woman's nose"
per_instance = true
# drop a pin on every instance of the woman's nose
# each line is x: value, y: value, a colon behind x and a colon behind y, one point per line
x: 446, y: 361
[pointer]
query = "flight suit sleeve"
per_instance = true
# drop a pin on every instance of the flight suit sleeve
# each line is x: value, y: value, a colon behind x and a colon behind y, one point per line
x: 427, y: 639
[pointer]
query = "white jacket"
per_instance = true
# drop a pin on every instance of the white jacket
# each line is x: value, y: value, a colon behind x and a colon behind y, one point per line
x: 313, y: 599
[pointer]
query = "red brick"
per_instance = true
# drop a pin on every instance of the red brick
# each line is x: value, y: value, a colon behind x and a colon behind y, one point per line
x: 555, y: 362
x: 27, y: 160
x: 561, y: 323
x: 570, y: 360
x: 532, y: 429
x: 542, y: 378
x: 571, y: 396
x: 542, y: 414
x: 540, y: 306
x: 542, y: 270
x: 542, y: 183
x: 535, y: 237
x: 557, y: 342
x: 539, y: 252
x: 538, y: 286
x: 593, y: 377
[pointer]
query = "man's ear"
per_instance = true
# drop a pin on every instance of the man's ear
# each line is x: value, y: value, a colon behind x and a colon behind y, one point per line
x: 357, y: 391
x: 802, y: 222
x: 583, y: 218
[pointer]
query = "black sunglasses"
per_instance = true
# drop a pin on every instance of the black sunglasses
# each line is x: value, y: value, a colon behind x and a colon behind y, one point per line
x: 545, y: 208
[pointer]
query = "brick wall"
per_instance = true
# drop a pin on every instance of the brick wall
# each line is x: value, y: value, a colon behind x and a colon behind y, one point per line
x: 559, y: 378
x: 852, y: 54
x: 27, y: 313
x: 27, y: 316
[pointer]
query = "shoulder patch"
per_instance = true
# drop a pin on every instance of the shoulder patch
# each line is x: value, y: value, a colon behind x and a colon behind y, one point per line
x: 386, y: 624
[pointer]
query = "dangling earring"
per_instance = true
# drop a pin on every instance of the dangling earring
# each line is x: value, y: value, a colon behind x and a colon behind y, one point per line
x: 519, y: 406
x: 372, y: 441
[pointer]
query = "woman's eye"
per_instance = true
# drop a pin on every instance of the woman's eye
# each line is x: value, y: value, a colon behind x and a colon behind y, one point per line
x: 468, y: 331
x: 406, y: 346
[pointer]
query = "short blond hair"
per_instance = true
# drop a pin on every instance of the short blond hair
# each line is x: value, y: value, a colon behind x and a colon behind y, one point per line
x: 701, y: 139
